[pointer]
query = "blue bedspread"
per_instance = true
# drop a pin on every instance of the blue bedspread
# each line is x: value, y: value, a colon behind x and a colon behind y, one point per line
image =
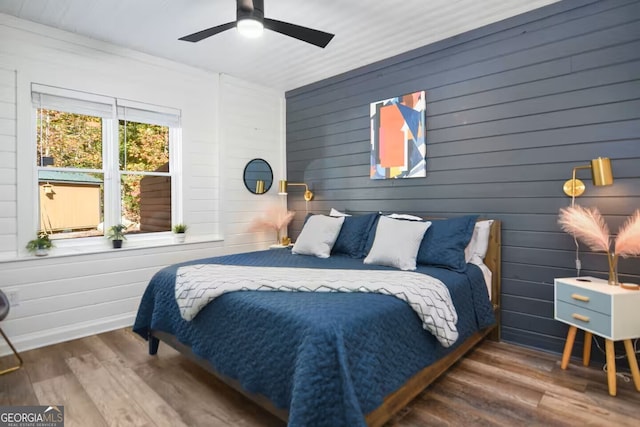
x: 328, y: 358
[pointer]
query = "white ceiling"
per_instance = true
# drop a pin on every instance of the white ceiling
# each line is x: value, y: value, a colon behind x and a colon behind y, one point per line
x: 366, y: 31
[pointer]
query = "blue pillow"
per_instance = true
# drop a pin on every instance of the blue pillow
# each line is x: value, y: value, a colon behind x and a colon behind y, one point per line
x: 353, y: 235
x: 371, y: 235
x: 444, y: 242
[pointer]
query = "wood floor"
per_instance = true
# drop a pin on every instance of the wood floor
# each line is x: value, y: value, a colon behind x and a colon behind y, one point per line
x: 110, y: 380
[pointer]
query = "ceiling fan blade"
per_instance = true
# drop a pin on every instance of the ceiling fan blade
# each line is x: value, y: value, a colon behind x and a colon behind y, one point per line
x: 309, y: 35
x: 200, y: 35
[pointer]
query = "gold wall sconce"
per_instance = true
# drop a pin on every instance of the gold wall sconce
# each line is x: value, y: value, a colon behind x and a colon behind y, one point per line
x: 283, y: 184
x: 600, y: 172
x: 259, y: 186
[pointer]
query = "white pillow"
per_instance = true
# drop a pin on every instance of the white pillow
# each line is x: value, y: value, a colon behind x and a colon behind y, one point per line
x: 404, y: 216
x: 487, y: 276
x: 335, y: 212
x: 476, y: 250
x: 318, y: 236
x: 396, y: 243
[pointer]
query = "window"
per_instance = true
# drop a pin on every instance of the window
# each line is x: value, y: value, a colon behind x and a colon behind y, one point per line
x: 145, y: 176
x: 102, y: 161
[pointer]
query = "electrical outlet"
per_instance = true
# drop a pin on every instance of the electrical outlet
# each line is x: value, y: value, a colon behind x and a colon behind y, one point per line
x: 14, y: 298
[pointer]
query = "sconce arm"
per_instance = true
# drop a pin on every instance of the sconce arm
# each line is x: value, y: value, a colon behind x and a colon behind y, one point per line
x: 308, y: 194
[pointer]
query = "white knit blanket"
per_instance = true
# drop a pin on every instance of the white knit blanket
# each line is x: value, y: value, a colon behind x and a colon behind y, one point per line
x: 197, y: 285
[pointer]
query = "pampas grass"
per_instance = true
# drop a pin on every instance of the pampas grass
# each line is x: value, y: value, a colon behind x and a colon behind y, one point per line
x: 628, y: 240
x: 586, y: 225
x: 275, y: 218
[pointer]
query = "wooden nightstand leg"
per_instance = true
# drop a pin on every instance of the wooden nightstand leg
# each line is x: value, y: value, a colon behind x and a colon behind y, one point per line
x: 586, y: 351
x: 568, y: 347
x: 633, y: 363
x: 611, y: 367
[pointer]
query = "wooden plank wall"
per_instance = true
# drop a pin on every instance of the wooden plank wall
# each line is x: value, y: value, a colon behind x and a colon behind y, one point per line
x: 511, y: 109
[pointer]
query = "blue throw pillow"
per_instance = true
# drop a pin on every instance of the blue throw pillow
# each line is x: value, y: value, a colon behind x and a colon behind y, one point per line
x: 353, y: 235
x: 371, y: 235
x: 444, y: 242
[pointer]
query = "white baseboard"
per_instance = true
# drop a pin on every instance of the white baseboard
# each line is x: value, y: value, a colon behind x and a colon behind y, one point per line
x: 67, y: 333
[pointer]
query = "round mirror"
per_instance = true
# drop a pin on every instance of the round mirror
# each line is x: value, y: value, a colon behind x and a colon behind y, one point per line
x: 258, y: 176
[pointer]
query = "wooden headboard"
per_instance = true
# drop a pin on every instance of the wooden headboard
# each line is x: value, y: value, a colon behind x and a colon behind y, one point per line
x: 493, y: 260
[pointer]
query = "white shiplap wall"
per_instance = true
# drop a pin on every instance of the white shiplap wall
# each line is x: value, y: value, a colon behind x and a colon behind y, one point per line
x: 223, y: 119
x: 8, y: 233
x: 253, y: 118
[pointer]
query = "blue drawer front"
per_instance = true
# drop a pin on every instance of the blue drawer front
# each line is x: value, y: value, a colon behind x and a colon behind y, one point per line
x: 597, y: 323
x: 597, y: 301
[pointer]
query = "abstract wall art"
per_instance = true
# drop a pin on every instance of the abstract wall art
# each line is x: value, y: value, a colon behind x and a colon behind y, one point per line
x: 398, y: 137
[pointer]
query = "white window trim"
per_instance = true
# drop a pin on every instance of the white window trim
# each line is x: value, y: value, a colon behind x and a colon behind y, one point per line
x: 28, y: 177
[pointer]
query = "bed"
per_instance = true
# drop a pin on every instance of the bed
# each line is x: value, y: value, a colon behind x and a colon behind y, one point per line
x: 322, y: 358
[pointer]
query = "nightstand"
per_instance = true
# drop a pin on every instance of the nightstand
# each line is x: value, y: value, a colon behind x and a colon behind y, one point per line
x: 610, y: 312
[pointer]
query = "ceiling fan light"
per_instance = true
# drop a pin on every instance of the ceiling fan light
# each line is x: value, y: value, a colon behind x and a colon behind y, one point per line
x: 250, y: 28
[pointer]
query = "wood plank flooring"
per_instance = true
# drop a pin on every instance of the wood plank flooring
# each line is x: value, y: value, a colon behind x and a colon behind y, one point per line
x: 110, y: 380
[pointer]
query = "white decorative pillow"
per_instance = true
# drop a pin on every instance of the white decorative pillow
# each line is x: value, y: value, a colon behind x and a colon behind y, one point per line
x: 335, y: 212
x: 476, y: 250
x: 396, y: 243
x: 487, y: 276
x: 318, y: 236
x: 404, y: 216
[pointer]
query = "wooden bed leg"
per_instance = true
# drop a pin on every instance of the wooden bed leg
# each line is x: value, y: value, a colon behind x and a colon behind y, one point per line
x: 153, y: 345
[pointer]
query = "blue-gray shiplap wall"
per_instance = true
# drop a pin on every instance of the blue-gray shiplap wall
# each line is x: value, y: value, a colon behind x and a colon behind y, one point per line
x: 511, y: 109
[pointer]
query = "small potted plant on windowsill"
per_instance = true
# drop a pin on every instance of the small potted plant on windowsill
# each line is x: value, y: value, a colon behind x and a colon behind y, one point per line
x: 179, y: 232
x: 40, y: 245
x: 116, y: 235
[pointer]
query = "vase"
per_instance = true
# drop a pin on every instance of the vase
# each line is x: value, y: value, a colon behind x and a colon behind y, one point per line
x: 179, y: 237
x: 613, y: 269
x: 41, y: 252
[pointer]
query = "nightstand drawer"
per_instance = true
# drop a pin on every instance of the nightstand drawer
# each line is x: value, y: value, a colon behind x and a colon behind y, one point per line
x: 586, y: 298
x: 583, y: 318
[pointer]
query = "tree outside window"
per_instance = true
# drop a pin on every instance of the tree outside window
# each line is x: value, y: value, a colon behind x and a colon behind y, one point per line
x: 71, y: 170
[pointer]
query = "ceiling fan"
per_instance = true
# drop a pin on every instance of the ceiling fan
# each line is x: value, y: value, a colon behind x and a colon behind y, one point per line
x: 251, y: 21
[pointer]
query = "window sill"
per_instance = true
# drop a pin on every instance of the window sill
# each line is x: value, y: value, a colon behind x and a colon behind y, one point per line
x: 103, y: 246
